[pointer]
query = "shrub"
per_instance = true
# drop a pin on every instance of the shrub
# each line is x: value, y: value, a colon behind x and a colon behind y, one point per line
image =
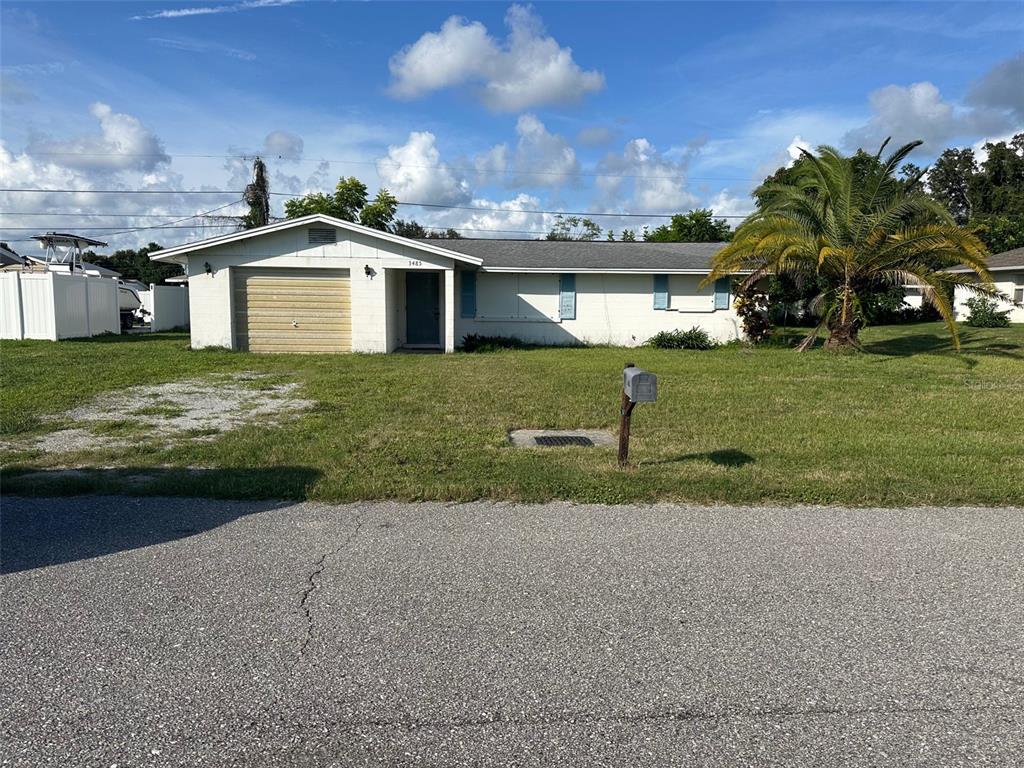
x: 695, y: 338
x: 985, y: 315
x: 475, y: 342
x: 752, y: 308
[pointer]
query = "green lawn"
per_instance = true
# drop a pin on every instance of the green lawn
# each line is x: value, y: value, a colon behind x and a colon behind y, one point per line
x: 906, y: 422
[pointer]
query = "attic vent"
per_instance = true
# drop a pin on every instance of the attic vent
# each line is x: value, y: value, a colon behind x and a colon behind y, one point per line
x: 322, y: 235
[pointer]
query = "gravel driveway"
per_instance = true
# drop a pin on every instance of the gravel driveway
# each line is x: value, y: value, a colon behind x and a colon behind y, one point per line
x: 166, y: 632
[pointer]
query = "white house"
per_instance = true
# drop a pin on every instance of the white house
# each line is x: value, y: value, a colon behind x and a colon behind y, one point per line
x: 1007, y: 270
x: 319, y: 284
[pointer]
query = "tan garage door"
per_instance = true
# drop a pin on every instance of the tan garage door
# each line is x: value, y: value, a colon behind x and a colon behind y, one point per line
x: 292, y: 310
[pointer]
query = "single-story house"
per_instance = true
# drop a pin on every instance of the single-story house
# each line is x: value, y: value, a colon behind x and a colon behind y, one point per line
x: 320, y: 284
x: 1007, y: 270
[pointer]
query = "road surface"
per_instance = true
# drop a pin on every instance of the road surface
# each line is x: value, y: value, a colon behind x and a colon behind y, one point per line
x: 165, y: 632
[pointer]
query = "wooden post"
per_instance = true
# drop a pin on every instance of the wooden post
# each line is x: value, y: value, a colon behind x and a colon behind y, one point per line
x: 625, y: 413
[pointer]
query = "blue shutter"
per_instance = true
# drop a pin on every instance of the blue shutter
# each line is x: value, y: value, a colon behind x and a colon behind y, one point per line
x: 661, y: 291
x: 467, y: 294
x: 722, y: 293
x: 567, y: 297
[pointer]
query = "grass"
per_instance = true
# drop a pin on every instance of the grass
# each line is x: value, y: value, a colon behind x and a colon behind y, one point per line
x: 907, y: 421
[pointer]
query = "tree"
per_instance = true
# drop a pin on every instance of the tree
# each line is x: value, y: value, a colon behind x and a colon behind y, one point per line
x: 135, y: 264
x: 628, y: 236
x: 348, y: 203
x: 857, y: 229
x: 380, y: 212
x: 257, y: 195
x: 408, y: 229
x: 573, y: 228
x: 693, y: 227
x: 448, y: 234
x: 949, y: 182
x: 610, y: 237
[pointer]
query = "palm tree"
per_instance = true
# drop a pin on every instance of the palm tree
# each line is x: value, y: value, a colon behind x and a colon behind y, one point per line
x: 851, y: 225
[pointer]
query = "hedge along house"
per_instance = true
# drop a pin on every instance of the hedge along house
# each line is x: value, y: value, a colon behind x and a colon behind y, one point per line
x: 320, y: 284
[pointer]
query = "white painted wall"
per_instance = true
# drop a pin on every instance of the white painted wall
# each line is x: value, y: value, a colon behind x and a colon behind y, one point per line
x: 169, y: 306
x: 611, y: 309
x: 1007, y: 282
x: 374, y: 328
x: 54, y: 305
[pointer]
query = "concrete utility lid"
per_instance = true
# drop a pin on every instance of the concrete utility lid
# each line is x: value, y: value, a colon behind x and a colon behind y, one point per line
x: 560, y: 438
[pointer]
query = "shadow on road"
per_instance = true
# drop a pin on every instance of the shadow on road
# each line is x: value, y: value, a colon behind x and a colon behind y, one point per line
x: 34, y: 534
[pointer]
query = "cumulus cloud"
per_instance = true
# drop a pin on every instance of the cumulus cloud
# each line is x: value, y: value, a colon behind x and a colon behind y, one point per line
x: 994, y: 104
x: 122, y: 143
x: 512, y: 218
x: 414, y: 171
x: 527, y: 69
x: 649, y: 180
x: 794, y: 149
x: 595, y: 136
x: 540, y: 158
x: 1001, y: 88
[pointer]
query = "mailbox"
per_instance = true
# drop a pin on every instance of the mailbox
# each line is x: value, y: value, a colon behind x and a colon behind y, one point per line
x: 640, y: 386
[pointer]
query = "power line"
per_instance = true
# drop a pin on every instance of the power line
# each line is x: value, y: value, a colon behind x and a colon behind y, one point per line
x: 563, y: 213
x: 140, y: 191
x: 102, y: 215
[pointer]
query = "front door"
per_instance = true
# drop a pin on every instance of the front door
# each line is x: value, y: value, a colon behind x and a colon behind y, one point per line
x: 422, y: 309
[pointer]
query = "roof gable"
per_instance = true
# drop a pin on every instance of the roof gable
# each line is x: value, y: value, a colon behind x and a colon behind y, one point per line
x: 170, y: 254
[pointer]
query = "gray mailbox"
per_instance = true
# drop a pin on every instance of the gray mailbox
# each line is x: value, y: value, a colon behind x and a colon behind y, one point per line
x: 639, y: 386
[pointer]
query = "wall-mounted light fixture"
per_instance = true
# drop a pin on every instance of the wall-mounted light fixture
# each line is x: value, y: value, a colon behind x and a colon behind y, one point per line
x: 369, y: 271
x: 208, y: 268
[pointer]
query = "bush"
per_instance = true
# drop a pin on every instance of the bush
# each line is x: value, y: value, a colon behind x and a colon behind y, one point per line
x: 752, y: 308
x: 695, y: 338
x: 985, y: 315
x: 474, y: 342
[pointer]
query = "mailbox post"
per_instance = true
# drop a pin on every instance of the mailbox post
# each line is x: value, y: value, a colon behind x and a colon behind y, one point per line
x: 638, y: 386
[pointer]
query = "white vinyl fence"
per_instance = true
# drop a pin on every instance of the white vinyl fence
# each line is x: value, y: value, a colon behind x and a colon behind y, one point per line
x: 53, y: 306
x: 167, y: 306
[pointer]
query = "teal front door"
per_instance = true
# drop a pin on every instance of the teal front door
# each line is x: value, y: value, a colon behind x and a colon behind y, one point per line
x: 422, y: 309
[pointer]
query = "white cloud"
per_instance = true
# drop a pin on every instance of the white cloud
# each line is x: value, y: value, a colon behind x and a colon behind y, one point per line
x: 540, y: 158
x: 795, y: 147
x: 1001, y: 88
x: 247, y: 5
x: 527, y: 69
x: 414, y: 171
x: 513, y: 219
x: 284, y: 145
x: 658, y: 183
x: 122, y: 144
x: 203, y: 46
x: 595, y: 136
x: 726, y: 204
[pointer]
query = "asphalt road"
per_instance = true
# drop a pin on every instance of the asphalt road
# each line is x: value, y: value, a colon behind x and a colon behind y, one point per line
x: 160, y: 632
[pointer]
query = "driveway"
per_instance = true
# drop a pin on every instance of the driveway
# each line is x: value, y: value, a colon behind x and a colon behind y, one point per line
x: 159, y: 632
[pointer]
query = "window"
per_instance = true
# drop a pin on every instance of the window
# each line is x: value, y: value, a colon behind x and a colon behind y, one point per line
x: 467, y: 294
x: 661, y: 291
x: 1018, y: 294
x: 567, y: 297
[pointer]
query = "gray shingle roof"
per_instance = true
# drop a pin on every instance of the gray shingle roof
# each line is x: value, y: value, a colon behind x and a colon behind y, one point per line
x: 1006, y: 260
x: 575, y: 255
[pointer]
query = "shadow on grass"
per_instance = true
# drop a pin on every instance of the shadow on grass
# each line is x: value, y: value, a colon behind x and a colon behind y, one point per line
x: 130, y: 338
x: 726, y: 457
x: 935, y: 344
x: 39, y: 532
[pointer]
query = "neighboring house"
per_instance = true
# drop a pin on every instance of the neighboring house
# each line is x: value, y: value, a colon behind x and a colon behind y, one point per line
x: 319, y: 284
x: 9, y: 258
x: 1007, y: 270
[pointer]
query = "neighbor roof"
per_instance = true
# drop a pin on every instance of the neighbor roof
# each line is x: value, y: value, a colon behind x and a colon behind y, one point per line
x: 170, y: 254
x: 1006, y: 260
x: 587, y: 256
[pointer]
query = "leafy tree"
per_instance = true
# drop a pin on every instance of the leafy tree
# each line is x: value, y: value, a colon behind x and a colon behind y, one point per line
x: 380, y: 212
x: 135, y: 264
x: 997, y: 189
x: 949, y: 181
x: 1001, y: 233
x: 628, y: 236
x: 408, y: 229
x: 693, y: 227
x: 857, y: 229
x: 349, y: 203
x: 573, y: 228
x: 610, y: 236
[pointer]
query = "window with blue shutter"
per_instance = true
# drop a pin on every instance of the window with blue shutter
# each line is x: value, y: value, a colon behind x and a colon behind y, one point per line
x: 567, y: 297
x: 467, y: 294
x: 661, y: 291
x: 722, y: 293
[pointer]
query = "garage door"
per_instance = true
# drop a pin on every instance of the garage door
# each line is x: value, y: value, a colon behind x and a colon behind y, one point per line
x: 292, y: 310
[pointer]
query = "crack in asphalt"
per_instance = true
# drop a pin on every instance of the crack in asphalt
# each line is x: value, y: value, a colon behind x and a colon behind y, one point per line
x: 679, y: 716
x: 312, y: 583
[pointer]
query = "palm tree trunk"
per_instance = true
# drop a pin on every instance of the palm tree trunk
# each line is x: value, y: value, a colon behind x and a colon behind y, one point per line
x: 843, y: 331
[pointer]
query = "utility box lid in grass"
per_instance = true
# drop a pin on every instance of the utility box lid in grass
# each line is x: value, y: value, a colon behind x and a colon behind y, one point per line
x: 560, y: 438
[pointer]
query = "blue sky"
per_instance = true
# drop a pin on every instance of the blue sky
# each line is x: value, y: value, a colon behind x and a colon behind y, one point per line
x: 608, y: 107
